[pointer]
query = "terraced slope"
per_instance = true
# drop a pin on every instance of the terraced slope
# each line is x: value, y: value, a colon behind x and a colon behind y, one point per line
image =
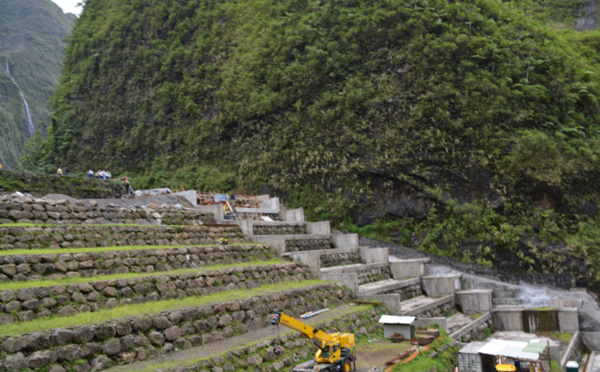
x: 80, y: 292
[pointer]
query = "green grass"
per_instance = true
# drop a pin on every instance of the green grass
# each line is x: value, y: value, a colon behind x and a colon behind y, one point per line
x: 444, y: 361
x: 169, y: 364
x: 135, y: 310
x: 67, y: 281
x: 14, y: 252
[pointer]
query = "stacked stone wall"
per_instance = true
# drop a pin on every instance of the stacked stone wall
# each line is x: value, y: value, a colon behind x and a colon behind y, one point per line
x: 295, y: 347
x: 408, y: 292
x: 127, y: 340
x: 439, y: 310
x: 480, y: 333
x: 74, y: 236
x: 30, y: 303
x: 296, y: 245
x: 72, y: 265
x: 81, y: 188
x: 340, y: 259
x: 373, y: 275
x: 29, y: 210
x: 278, y: 229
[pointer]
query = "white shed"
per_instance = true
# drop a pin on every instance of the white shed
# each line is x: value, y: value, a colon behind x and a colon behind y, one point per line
x: 398, y: 324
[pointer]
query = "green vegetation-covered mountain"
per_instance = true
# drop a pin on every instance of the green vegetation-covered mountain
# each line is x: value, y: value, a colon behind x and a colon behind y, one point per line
x: 31, y: 44
x: 467, y: 128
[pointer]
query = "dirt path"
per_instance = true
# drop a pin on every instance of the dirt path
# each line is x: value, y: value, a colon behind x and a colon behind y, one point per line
x: 206, y: 351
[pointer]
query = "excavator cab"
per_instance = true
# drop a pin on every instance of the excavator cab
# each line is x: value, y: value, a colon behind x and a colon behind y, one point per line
x: 329, y: 353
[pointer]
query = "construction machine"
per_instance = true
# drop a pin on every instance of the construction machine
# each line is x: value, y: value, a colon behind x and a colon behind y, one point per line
x: 334, y: 352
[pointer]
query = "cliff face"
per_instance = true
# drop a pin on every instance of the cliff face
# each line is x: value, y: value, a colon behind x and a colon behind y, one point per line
x: 31, y: 43
x: 469, y: 127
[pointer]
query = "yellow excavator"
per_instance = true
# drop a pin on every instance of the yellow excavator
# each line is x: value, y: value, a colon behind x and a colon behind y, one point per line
x: 334, y: 352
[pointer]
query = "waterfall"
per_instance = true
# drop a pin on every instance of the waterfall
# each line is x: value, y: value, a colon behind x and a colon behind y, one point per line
x: 27, y: 112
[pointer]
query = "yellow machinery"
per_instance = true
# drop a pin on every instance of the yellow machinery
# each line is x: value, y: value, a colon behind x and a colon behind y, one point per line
x: 334, y: 352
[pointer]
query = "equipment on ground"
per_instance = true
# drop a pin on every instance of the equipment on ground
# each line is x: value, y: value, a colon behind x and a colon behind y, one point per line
x: 334, y: 352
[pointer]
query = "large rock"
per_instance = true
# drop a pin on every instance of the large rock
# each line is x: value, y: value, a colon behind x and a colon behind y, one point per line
x: 101, y: 363
x: 112, y: 347
x: 83, y: 334
x: 172, y: 333
x: 37, y: 341
x: 60, y: 337
x: 12, y: 345
x: 70, y: 353
x: 15, y: 363
x: 39, y: 359
x: 156, y: 338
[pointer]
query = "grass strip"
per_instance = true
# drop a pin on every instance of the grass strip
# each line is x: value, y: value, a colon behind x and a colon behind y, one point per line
x: 173, y: 363
x: 14, y: 252
x: 67, y: 281
x: 149, y: 308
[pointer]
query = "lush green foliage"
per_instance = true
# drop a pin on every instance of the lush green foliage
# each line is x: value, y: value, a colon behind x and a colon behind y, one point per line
x: 328, y: 103
x: 31, y: 40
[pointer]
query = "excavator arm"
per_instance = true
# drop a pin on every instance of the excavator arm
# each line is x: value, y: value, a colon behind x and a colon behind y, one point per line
x: 307, y: 331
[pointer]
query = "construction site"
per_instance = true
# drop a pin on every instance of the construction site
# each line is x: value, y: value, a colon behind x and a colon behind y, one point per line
x: 187, y: 281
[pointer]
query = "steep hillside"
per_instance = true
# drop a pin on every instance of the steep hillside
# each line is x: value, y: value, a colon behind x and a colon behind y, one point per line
x: 470, y: 126
x: 31, y: 43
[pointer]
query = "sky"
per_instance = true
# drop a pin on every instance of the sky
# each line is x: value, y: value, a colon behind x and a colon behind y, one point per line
x: 68, y: 6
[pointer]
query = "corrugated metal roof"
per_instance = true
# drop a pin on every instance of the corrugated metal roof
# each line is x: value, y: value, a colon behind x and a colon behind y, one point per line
x: 394, y: 319
x: 513, y: 349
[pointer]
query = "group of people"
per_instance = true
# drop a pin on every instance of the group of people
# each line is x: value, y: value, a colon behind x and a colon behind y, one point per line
x: 101, y: 174
x: 60, y: 171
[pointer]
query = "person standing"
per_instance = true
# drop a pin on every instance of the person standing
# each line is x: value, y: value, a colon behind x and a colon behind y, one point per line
x: 59, y: 171
x: 90, y: 173
x: 68, y: 170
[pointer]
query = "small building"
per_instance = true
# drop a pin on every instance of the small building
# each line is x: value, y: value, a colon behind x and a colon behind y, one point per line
x: 483, y: 356
x: 398, y: 324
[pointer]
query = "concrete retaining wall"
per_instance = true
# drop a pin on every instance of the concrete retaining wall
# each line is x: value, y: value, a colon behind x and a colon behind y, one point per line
x: 473, y: 330
x: 574, y: 344
x: 70, y: 265
x: 80, y: 188
x: 392, y: 302
x: 127, y: 340
x: 474, y: 301
x: 591, y: 340
x: 292, y: 215
x: 374, y: 255
x: 408, y: 268
x: 437, y: 286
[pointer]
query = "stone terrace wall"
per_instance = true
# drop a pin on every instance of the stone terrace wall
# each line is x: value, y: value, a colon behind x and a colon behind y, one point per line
x: 295, y: 245
x: 80, y: 188
x: 339, y: 259
x: 30, y: 303
x: 278, y: 229
x: 72, y: 265
x: 296, y: 347
x: 51, y: 212
x: 373, y: 275
x: 130, y: 339
x: 74, y: 236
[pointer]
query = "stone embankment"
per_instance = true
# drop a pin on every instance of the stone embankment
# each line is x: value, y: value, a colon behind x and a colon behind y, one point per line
x: 295, y: 347
x: 74, y: 236
x: 40, y: 211
x: 83, y: 188
x: 64, y: 300
x: 126, y: 340
x: 57, y: 265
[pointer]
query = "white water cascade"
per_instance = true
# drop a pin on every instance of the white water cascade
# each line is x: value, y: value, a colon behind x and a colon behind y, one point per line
x: 27, y: 112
